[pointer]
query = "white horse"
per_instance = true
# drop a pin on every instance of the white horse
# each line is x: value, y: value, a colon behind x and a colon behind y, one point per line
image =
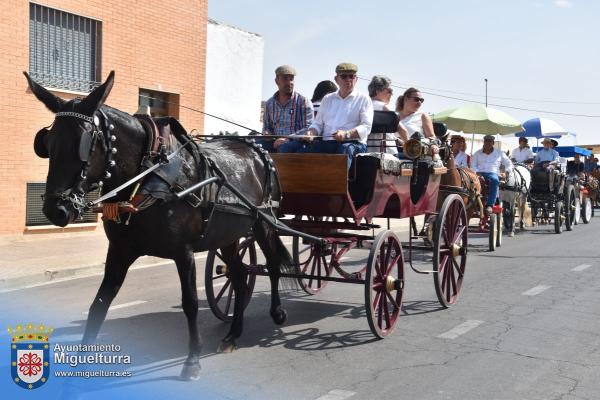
x: 513, y: 195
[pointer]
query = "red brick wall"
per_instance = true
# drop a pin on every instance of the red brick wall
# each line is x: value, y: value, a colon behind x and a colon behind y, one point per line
x: 154, y: 44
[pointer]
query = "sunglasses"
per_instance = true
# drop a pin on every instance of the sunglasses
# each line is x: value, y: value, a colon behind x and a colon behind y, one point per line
x: 419, y: 99
x: 347, y: 76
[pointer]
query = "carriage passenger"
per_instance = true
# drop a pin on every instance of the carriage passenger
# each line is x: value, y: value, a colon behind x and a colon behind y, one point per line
x: 408, y: 106
x: 381, y: 92
x: 344, y: 119
x: 522, y: 153
x: 287, y: 113
x: 458, y: 144
x: 487, y: 162
x: 323, y: 88
x: 548, y: 159
x: 575, y: 166
x: 590, y: 164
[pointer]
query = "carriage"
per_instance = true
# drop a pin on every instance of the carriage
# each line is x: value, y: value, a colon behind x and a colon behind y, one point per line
x: 552, y: 198
x: 583, y: 184
x: 333, y: 209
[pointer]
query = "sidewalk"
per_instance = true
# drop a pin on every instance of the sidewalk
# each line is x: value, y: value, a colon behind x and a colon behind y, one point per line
x: 36, y: 258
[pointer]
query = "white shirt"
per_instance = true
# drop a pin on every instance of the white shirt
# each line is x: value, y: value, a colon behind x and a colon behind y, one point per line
x: 481, y: 162
x: 353, y: 112
x: 461, y: 159
x: 522, y: 154
x: 374, y: 142
x: 413, y: 123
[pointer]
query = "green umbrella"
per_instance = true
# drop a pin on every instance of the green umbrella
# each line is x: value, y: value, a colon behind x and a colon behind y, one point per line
x: 478, y: 119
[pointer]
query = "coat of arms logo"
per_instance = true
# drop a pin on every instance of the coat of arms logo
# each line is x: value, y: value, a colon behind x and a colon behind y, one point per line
x: 30, y: 355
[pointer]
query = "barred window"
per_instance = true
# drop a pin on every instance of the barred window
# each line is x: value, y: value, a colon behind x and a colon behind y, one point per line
x: 34, y: 203
x: 64, y: 49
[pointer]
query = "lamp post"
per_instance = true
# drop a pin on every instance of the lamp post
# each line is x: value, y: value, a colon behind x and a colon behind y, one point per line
x: 485, y: 79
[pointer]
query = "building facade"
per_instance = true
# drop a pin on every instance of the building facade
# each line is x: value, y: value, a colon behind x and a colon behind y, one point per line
x: 234, y: 69
x: 157, y: 50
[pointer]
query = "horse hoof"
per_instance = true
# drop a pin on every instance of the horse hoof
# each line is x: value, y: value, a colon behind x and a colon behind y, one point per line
x: 511, y: 234
x: 227, y: 346
x: 279, y: 316
x: 190, y: 372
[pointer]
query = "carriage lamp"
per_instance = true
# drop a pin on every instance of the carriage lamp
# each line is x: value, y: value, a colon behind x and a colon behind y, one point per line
x: 413, y: 149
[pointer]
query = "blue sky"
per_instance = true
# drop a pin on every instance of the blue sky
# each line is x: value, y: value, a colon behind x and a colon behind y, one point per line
x: 543, y: 51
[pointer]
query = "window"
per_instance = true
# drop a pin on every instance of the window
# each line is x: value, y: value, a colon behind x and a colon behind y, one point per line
x: 64, y: 49
x: 161, y: 104
x: 33, y: 208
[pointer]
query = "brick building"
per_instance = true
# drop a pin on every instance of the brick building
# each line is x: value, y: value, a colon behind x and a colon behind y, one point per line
x: 156, y: 48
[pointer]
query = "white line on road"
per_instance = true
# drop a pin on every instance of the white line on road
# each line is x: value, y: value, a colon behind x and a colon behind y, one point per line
x: 337, y: 395
x: 130, y: 304
x: 461, y: 329
x: 202, y: 289
x: 581, y: 267
x: 536, y: 290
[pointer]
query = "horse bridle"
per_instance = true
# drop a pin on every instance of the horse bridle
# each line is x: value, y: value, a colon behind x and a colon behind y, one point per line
x: 87, y: 145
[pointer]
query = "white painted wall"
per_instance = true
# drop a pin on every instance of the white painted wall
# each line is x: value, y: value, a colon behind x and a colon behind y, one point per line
x: 234, y: 68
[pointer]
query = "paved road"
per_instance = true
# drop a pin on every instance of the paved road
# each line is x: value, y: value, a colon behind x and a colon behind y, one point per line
x: 526, y: 326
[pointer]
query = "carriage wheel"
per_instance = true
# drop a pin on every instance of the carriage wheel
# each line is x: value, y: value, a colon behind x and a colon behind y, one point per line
x: 450, y: 236
x: 314, y: 260
x: 492, y: 231
x: 384, y: 284
x: 577, y: 211
x: 558, y: 217
x: 570, y: 207
x: 217, y: 278
x: 586, y: 210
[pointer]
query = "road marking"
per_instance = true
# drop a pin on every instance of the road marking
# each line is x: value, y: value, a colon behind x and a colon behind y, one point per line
x: 461, y: 329
x: 130, y: 304
x: 337, y: 395
x: 581, y: 267
x: 536, y: 290
x: 203, y: 288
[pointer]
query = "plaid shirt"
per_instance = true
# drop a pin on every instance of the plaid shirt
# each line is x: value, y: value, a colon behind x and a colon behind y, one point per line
x: 292, y: 118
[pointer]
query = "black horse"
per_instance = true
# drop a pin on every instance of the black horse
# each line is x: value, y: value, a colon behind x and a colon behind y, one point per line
x: 90, y: 145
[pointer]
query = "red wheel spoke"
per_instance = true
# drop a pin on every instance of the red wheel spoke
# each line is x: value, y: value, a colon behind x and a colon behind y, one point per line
x: 458, y: 234
x: 458, y: 268
x: 386, y: 313
x: 388, y: 253
x: 392, y: 264
x: 392, y: 300
x: 223, y: 289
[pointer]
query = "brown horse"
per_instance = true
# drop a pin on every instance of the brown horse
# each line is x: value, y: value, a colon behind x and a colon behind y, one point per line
x: 464, y: 182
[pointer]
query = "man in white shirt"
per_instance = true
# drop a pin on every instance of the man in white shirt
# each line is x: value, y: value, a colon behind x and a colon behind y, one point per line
x: 522, y: 153
x: 460, y: 157
x: 345, y: 117
x: 486, y: 162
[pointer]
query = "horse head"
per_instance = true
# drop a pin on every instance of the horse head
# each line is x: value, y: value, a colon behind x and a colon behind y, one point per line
x: 79, y: 148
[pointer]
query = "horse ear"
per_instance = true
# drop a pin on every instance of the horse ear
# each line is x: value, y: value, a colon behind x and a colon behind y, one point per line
x: 52, y: 102
x: 97, y: 97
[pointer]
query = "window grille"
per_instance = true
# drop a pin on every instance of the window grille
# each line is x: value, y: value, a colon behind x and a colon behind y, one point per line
x: 64, y: 49
x: 34, y: 215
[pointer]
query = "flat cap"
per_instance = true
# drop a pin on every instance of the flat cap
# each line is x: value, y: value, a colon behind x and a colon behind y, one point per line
x: 285, y: 70
x: 489, y: 137
x: 346, y: 67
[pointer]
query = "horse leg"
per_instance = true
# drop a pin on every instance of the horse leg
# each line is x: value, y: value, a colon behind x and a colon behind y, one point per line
x: 238, y: 276
x: 186, y: 268
x: 277, y: 258
x: 118, y: 260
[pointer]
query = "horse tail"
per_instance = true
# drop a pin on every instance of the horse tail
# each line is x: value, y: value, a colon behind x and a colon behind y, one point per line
x: 279, y: 260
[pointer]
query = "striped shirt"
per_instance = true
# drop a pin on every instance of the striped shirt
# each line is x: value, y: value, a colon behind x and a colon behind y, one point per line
x: 294, y: 117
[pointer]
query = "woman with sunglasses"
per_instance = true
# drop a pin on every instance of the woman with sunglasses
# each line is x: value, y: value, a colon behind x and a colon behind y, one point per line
x: 408, y: 106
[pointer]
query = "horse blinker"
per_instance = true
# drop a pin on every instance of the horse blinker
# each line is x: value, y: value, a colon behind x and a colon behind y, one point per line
x: 40, y: 143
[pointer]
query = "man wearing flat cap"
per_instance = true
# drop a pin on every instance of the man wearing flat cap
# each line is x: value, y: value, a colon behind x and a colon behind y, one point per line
x: 522, y: 153
x: 345, y: 117
x: 287, y: 113
x: 487, y: 162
